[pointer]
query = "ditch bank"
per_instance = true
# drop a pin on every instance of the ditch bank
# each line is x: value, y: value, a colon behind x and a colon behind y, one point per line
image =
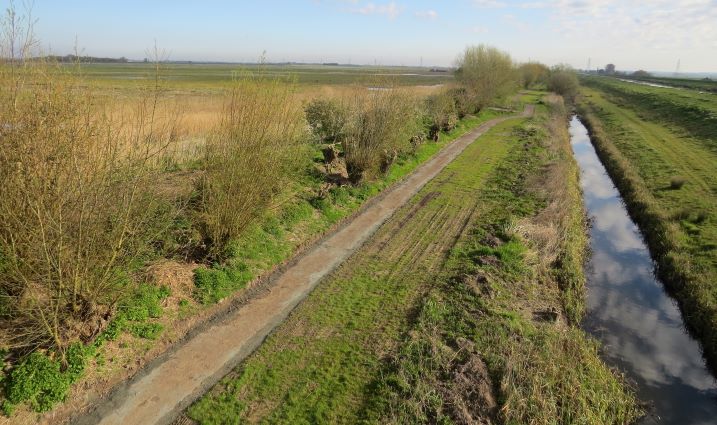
x: 628, y: 309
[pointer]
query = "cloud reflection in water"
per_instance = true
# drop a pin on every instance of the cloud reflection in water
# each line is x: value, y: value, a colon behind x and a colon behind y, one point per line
x: 628, y: 310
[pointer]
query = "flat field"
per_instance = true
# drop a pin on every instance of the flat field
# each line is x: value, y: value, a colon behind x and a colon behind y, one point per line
x: 207, y: 76
x: 688, y: 83
x: 197, y: 92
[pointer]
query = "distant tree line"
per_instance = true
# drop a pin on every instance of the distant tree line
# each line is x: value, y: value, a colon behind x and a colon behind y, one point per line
x: 82, y: 59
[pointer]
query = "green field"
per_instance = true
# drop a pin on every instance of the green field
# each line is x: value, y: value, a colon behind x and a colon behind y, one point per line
x: 439, y: 318
x: 688, y: 83
x: 218, y: 75
x: 660, y: 146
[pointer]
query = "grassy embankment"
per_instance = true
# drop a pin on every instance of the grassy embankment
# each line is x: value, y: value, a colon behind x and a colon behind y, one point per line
x: 660, y: 147
x: 454, y: 312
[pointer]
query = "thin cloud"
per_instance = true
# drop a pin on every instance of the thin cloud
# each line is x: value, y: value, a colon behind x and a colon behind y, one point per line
x: 390, y: 10
x: 489, y: 4
x: 663, y: 24
x: 426, y: 14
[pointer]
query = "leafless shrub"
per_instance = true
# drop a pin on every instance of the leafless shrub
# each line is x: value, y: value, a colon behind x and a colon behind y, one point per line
x: 441, y: 112
x: 327, y: 119
x: 76, y: 208
x: 564, y: 82
x: 534, y: 74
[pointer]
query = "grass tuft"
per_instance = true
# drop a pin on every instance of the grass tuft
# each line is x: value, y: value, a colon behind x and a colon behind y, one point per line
x: 677, y: 182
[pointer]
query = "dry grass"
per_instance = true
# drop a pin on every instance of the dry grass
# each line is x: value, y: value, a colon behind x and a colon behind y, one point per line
x: 558, y: 377
x: 558, y: 231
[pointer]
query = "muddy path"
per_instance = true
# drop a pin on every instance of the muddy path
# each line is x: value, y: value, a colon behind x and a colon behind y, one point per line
x: 158, y: 394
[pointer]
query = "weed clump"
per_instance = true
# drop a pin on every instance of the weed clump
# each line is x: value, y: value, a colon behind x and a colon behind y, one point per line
x: 677, y: 182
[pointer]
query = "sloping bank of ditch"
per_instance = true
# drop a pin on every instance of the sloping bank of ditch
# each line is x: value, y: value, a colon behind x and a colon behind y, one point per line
x: 683, y: 264
x: 640, y: 326
x: 179, y: 306
x: 461, y: 309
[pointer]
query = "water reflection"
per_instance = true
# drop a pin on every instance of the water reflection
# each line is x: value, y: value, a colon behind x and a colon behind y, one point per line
x: 639, y: 324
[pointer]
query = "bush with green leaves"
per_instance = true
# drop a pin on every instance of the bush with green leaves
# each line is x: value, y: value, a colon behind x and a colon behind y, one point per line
x: 564, y: 82
x: 380, y: 128
x: 258, y: 148
x: 327, y: 119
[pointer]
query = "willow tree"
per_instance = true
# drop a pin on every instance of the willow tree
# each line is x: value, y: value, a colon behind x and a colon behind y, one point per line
x: 533, y: 73
x: 486, y: 72
x: 564, y: 81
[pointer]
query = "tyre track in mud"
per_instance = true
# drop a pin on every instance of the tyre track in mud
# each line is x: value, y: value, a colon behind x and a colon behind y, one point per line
x: 160, y: 393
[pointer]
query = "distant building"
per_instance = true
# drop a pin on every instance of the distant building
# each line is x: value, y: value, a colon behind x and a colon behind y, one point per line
x: 609, y: 68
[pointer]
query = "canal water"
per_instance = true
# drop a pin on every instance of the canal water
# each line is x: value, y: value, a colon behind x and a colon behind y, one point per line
x: 638, y: 323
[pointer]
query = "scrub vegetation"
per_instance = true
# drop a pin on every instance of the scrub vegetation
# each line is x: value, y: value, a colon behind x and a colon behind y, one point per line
x: 660, y: 147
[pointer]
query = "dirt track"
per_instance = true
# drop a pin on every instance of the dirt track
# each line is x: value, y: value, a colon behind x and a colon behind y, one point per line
x: 159, y: 394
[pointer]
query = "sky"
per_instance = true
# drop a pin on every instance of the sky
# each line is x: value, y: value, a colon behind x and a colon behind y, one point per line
x: 633, y: 34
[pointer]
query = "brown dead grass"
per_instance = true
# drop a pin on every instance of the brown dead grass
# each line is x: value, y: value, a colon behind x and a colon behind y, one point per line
x: 178, y: 277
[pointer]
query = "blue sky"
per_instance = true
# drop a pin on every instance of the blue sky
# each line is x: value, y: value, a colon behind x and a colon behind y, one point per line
x: 649, y: 34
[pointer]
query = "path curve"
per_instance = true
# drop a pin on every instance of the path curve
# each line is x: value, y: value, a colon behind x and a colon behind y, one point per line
x: 159, y: 395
